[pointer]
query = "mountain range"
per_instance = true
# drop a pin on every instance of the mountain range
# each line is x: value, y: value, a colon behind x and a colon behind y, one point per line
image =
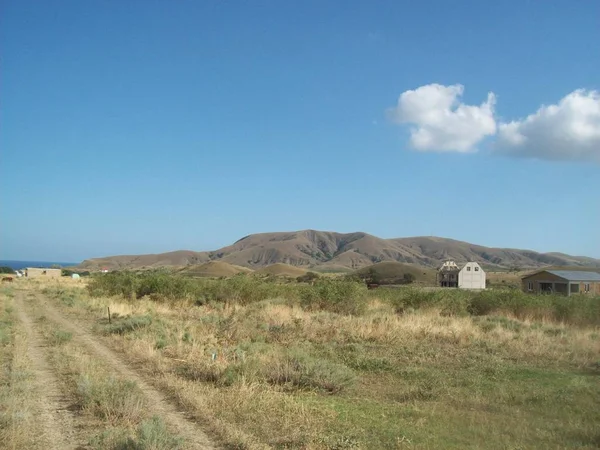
x: 331, y: 251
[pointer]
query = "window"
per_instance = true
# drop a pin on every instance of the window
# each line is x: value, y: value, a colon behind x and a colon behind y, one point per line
x: 586, y: 287
x: 530, y: 286
x: 468, y: 269
x: 476, y: 269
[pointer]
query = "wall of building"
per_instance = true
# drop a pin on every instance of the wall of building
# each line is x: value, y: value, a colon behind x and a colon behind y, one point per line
x: 594, y: 287
x: 560, y: 284
x: 471, y: 276
x: 33, y: 272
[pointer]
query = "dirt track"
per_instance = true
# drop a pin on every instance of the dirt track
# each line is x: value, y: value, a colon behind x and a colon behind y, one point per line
x: 59, y: 423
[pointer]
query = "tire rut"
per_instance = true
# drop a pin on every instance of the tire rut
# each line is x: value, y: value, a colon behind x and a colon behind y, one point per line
x: 60, y: 427
x: 177, y: 420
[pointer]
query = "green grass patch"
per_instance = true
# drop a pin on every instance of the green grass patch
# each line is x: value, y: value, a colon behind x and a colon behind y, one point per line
x: 123, y: 325
x: 110, y: 398
x: 59, y: 337
x: 151, y: 434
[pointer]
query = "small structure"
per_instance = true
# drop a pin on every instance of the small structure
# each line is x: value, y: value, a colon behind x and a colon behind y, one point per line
x: 34, y: 272
x: 75, y: 276
x: 447, y: 275
x: 471, y: 276
x: 566, y: 282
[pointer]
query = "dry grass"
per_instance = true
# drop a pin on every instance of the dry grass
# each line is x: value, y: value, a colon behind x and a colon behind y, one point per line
x: 18, y: 428
x: 97, y: 391
x: 115, y: 406
x: 282, y: 270
x: 213, y: 269
x: 419, y: 380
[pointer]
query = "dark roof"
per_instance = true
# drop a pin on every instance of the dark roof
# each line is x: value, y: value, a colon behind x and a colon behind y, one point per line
x: 576, y: 275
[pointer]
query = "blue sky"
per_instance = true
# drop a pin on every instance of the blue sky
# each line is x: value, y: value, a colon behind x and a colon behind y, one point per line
x: 149, y: 126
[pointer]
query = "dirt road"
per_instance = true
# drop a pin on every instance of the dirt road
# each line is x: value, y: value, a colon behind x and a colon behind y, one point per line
x: 60, y: 424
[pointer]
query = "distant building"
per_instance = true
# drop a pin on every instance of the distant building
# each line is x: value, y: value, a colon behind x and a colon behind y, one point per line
x: 471, y: 276
x: 33, y: 272
x: 447, y: 275
x: 566, y: 282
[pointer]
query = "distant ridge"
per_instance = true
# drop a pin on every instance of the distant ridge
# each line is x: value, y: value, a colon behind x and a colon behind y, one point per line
x: 331, y: 251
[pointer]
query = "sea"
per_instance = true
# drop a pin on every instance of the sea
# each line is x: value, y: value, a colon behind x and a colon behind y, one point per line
x: 17, y: 265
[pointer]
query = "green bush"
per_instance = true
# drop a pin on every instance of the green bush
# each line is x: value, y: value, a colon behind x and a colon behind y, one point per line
x: 127, y: 324
x: 151, y: 434
x: 6, y: 269
x: 60, y: 337
x: 308, y: 277
x: 348, y: 295
x: 339, y: 296
x: 448, y: 301
x: 301, y: 370
x: 111, y: 398
x: 114, y: 283
x: 68, y: 273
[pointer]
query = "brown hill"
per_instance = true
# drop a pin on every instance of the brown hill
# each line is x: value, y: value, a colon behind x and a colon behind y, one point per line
x: 322, y: 250
x: 176, y: 258
x: 213, y: 269
x: 282, y: 270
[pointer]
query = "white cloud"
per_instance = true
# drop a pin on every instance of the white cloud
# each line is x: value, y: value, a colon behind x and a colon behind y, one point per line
x: 567, y: 131
x: 441, y: 122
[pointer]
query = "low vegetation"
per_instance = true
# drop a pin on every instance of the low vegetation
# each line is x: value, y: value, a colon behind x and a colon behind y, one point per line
x: 344, y: 296
x: 18, y: 427
x: 330, y: 364
x: 117, y: 405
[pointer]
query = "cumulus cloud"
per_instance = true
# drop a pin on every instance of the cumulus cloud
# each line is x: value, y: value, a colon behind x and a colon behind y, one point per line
x: 440, y: 121
x: 569, y: 130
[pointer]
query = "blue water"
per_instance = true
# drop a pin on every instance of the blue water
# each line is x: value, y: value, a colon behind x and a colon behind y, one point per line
x: 16, y: 265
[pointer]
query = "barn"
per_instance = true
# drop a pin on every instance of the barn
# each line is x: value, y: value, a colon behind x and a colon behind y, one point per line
x: 566, y: 282
x: 471, y: 276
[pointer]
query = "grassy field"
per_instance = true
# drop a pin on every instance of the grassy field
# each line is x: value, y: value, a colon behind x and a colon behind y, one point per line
x: 334, y: 366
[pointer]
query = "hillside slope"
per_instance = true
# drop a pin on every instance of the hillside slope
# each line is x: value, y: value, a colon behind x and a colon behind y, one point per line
x: 324, y: 249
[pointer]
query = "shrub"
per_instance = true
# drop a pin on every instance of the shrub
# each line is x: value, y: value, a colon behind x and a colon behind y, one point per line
x: 448, y: 301
x: 6, y: 269
x: 68, y: 273
x: 408, y: 278
x: 59, y: 337
x: 307, y: 277
x: 114, y: 283
x: 112, y: 399
x: 339, y: 296
x: 301, y: 370
x: 128, y: 324
x: 151, y: 434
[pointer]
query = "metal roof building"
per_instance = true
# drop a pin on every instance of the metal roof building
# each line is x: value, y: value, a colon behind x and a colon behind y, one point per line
x: 565, y: 282
x: 576, y: 275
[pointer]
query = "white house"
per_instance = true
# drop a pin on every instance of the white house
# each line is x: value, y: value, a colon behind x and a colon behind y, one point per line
x: 471, y: 276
